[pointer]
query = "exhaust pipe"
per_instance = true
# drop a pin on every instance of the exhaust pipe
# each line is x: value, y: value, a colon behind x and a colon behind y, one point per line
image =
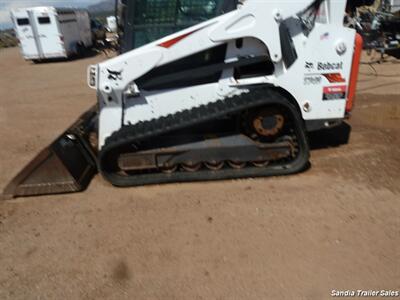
x: 67, y: 165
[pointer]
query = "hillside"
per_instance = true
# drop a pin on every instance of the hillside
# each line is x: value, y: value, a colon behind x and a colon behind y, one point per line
x: 101, y: 7
x: 7, y: 38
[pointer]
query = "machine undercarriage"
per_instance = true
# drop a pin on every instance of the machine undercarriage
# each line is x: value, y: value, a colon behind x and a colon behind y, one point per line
x: 248, y: 135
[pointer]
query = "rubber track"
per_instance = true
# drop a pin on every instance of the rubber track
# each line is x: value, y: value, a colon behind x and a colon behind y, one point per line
x: 258, y: 96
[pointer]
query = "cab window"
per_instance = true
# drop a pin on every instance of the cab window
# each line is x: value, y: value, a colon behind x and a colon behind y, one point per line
x: 22, y: 21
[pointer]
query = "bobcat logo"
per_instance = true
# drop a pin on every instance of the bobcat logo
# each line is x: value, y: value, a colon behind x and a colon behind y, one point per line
x: 114, y: 75
x: 309, y: 65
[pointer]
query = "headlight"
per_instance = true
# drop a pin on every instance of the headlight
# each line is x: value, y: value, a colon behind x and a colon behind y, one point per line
x: 92, y: 76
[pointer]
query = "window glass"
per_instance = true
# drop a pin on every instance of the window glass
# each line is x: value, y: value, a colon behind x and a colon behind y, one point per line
x: 44, y: 20
x: 23, y: 21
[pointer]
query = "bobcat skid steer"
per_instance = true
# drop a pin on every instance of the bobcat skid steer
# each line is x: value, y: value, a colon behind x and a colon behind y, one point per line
x: 231, y: 97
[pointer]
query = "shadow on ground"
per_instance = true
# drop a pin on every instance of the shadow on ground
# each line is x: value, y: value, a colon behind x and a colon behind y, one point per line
x: 87, y: 54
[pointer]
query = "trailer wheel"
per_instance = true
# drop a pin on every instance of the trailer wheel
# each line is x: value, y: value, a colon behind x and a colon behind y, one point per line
x: 80, y: 49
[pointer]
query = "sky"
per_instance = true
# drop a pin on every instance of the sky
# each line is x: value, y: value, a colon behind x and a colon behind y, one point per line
x: 7, y: 5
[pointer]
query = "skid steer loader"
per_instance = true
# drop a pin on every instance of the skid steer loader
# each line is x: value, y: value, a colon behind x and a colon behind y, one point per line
x: 231, y: 97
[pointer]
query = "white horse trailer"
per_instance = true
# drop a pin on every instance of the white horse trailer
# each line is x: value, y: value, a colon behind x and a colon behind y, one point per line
x: 394, y: 5
x: 112, y: 24
x: 48, y: 32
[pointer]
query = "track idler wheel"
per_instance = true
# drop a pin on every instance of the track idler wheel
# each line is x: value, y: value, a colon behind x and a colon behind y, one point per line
x: 267, y: 123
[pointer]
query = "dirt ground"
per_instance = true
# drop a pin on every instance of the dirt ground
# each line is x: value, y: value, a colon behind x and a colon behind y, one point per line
x: 334, y: 227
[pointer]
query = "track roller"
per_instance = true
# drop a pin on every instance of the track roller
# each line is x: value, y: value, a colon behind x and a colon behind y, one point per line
x: 214, y: 166
x: 236, y: 164
x: 260, y: 164
x: 191, y: 167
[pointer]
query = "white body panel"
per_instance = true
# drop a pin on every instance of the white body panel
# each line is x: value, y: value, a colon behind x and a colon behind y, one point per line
x: 323, y: 53
x: 47, y: 32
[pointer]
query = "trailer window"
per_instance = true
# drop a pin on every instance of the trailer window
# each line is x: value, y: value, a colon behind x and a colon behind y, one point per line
x: 23, y: 21
x: 44, y: 20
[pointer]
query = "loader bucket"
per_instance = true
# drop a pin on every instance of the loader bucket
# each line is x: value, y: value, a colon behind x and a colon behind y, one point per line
x: 66, y: 166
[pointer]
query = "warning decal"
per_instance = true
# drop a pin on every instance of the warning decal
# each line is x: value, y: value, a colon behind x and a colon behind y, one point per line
x: 334, y: 92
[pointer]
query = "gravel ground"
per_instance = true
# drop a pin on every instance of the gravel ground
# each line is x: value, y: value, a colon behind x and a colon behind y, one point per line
x: 334, y: 227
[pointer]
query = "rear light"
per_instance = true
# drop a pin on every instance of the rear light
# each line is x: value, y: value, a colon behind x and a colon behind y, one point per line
x: 354, y: 72
x: 92, y: 76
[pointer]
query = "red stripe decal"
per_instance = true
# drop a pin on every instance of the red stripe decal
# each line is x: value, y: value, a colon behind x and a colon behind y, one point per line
x: 334, y: 77
x: 171, y: 42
